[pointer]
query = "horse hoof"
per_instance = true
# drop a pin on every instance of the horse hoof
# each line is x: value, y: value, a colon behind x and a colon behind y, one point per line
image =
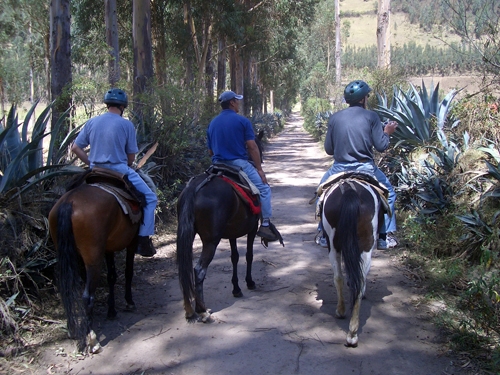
x: 339, y: 315
x: 251, y: 286
x: 238, y: 294
x: 93, y: 344
x: 129, y: 307
x: 205, y: 317
x: 352, y: 341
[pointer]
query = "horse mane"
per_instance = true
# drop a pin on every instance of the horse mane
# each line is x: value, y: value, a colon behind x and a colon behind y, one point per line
x: 77, y: 180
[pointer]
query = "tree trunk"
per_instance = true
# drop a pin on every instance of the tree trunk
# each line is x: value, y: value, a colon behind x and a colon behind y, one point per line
x: 209, y: 78
x: 112, y: 40
x: 383, y: 34
x: 60, y: 59
x: 143, y: 61
x: 159, y: 32
x: 221, y: 66
x: 338, y: 46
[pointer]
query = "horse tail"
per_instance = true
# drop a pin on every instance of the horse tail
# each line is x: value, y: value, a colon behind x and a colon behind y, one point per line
x: 346, y: 236
x: 185, y: 237
x: 70, y: 282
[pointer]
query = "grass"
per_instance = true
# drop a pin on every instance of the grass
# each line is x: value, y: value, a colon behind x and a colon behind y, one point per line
x: 363, y: 31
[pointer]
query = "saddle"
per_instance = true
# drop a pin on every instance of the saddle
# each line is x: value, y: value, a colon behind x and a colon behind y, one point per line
x: 128, y: 197
x: 238, y: 180
x: 338, y: 178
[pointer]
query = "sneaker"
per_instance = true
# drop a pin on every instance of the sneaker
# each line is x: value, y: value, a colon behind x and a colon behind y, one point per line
x: 381, y: 244
x: 266, y: 233
x: 391, y: 241
x: 145, y: 247
x: 323, y: 242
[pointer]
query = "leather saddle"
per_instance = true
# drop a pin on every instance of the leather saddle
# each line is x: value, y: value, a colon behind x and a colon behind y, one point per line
x: 128, y: 197
x: 238, y: 180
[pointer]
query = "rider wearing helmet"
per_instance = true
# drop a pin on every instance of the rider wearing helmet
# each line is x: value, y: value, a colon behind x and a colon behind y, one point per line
x: 113, y: 145
x: 352, y: 135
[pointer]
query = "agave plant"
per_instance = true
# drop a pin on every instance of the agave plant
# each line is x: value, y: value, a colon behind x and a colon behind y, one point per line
x: 22, y: 164
x: 415, y: 112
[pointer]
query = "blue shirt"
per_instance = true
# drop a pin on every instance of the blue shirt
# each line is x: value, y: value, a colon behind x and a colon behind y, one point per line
x: 111, y: 139
x: 227, y: 135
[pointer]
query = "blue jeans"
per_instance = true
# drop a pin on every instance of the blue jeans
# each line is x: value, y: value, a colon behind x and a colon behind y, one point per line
x: 253, y: 175
x: 147, y: 228
x: 370, y: 167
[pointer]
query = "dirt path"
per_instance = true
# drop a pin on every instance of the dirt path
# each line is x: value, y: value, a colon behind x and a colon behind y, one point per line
x: 287, y: 325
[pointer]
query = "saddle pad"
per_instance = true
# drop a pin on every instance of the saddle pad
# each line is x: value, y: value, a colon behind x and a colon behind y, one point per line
x: 356, y: 175
x: 337, y: 179
x: 128, y: 204
x: 234, y: 174
x: 253, y: 201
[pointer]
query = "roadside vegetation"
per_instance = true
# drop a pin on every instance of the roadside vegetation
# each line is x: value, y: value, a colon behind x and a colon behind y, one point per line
x: 444, y: 163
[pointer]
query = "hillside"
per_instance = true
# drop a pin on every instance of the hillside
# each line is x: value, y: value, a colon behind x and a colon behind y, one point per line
x: 363, y: 29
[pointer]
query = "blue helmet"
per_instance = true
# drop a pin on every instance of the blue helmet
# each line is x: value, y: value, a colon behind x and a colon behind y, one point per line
x: 355, y: 91
x: 116, y: 96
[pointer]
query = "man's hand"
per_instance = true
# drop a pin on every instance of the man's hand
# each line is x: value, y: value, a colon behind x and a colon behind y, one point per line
x: 390, y: 127
x: 262, y: 176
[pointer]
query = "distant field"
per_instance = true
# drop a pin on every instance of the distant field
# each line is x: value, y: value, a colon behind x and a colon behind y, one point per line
x: 363, y: 29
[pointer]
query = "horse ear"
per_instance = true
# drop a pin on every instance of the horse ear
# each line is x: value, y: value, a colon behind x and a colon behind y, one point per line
x: 260, y: 135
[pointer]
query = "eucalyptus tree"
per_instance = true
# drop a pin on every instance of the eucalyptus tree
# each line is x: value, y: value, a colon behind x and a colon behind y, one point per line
x: 24, y: 51
x: 60, y: 52
x: 112, y: 41
x: 384, y: 34
x: 143, y: 59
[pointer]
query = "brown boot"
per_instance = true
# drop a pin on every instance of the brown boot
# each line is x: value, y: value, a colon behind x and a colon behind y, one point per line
x: 145, y: 247
x: 266, y: 233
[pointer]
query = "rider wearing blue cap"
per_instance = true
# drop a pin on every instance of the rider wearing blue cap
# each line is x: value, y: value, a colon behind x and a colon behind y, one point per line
x: 231, y: 140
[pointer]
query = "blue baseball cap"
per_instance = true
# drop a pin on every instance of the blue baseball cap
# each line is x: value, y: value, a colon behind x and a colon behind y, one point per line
x: 228, y: 95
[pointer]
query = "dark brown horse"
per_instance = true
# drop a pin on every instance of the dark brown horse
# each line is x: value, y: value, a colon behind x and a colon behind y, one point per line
x: 352, y: 212
x: 87, y: 226
x: 215, y: 212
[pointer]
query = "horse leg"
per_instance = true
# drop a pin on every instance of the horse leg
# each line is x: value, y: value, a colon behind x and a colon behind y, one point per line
x: 249, y: 257
x: 93, y: 345
x: 338, y: 279
x: 110, y: 264
x: 352, y: 335
x: 235, y: 257
x: 200, y: 271
x: 129, y: 273
x: 366, y: 261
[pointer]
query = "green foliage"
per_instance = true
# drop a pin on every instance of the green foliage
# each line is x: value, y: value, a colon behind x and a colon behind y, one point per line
x: 316, y: 113
x: 482, y: 241
x: 22, y: 163
x: 416, y: 60
x: 421, y: 116
x: 271, y: 124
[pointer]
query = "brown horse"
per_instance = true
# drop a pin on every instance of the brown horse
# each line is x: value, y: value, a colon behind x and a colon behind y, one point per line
x: 215, y: 211
x: 87, y: 226
x: 351, y: 214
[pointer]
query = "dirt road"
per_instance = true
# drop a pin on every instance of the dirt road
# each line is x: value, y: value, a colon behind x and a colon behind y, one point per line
x: 287, y: 325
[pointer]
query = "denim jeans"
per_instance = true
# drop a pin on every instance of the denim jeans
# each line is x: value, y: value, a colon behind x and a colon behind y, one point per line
x: 253, y: 175
x: 147, y: 228
x: 370, y: 167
